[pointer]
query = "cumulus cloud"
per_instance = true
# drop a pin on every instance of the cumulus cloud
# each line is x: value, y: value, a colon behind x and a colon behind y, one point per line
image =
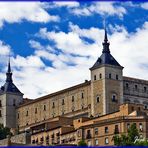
x: 71, y: 65
x: 145, y: 5
x: 12, y: 12
x: 103, y: 8
x: 69, y: 4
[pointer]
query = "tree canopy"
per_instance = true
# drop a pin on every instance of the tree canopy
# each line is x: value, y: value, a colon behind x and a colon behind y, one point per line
x: 129, y: 139
x: 4, y: 131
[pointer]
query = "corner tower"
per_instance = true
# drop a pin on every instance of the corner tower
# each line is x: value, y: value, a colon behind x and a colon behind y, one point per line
x: 10, y: 98
x: 106, y: 83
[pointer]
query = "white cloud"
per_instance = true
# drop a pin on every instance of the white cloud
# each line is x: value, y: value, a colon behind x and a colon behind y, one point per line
x: 71, y: 65
x: 144, y: 5
x: 103, y: 8
x: 4, y: 49
x: 68, y: 4
x: 12, y: 12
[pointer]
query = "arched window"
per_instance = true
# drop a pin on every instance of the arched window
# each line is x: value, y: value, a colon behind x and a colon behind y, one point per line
x: 114, y: 98
x: 100, y: 76
x: 97, y: 99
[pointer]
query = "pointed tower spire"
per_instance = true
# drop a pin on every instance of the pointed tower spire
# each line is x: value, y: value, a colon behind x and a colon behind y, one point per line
x: 9, y: 66
x: 105, y: 43
x: 9, y: 73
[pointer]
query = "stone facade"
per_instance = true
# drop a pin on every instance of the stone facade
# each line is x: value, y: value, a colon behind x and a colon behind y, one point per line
x: 96, y: 131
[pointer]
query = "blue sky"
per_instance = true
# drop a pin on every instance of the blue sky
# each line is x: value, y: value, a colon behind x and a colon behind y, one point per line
x: 53, y: 45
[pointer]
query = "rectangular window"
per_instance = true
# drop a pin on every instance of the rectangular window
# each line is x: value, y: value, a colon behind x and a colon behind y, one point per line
x: 27, y: 113
x: 127, y: 86
x: 35, y: 110
x: 73, y: 98
x: 0, y: 103
x: 44, y: 107
x: 95, y: 77
x: 144, y: 89
x: 140, y: 127
x: 96, y: 131
x: 82, y: 95
x: 116, y: 129
x: 106, y: 141
x: 53, y: 105
x: 128, y: 125
x: 0, y: 113
x: 106, y: 129
x: 136, y: 87
x: 96, y: 141
x: 116, y: 77
x: 110, y: 76
x: 88, y: 135
x: 63, y: 102
x: 18, y: 116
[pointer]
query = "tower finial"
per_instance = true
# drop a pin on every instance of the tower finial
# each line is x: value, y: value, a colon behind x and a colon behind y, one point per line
x: 105, y: 43
x: 9, y: 66
x: 9, y: 73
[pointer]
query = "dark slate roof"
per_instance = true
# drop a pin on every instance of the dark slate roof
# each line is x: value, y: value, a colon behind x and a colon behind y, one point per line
x: 9, y: 86
x: 106, y: 57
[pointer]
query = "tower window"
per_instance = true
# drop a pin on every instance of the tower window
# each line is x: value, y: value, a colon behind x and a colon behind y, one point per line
x: 100, y: 76
x: 44, y: 107
x: 114, y: 98
x: 0, y: 113
x: 27, y: 113
x: 127, y: 85
x: 0, y: 103
x: 35, y: 110
x: 110, y: 76
x: 73, y: 98
x: 95, y: 77
x: 97, y: 99
x: 63, y: 102
x: 18, y: 115
x: 82, y: 95
x: 116, y: 77
x: 144, y: 89
x: 53, y: 105
x: 136, y: 87
x: 14, y: 102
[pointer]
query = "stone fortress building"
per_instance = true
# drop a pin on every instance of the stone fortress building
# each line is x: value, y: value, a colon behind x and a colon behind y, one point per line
x: 108, y: 98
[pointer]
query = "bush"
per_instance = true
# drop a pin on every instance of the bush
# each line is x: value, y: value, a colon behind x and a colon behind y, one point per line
x: 82, y: 143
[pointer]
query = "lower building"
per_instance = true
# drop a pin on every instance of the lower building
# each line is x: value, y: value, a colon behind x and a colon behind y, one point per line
x: 98, y: 131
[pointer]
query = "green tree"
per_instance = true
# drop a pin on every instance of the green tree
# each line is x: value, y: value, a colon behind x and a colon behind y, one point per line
x: 82, y: 143
x: 141, y: 143
x: 129, y: 139
x: 4, y: 132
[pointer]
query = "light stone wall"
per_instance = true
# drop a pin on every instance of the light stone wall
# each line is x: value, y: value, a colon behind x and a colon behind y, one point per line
x: 133, y: 95
x: 42, y: 114
x: 9, y: 102
x: 105, y: 88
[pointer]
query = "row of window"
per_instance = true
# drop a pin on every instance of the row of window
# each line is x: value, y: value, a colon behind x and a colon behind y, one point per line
x: 109, y: 76
x: 53, y: 114
x: 106, y: 141
x: 136, y: 87
x: 106, y: 130
x: 113, y: 98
